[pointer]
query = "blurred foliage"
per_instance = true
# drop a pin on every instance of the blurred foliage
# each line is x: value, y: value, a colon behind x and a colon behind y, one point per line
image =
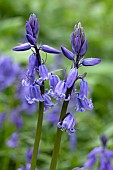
x: 57, y: 19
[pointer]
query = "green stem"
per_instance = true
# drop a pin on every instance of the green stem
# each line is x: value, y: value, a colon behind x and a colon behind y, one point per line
x: 38, y: 132
x: 59, y: 133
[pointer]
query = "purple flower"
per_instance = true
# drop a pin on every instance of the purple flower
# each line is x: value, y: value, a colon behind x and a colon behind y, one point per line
x: 29, y: 154
x: 91, y: 61
x: 22, y: 47
x: 34, y: 94
x: 83, y: 104
x: 60, y: 90
x: 47, y: 102
x: 32, y: 29
x: 31, y: 40
x: 49, y: 49
x: 72, y: 76
x: 32, y: 26
x: 79, y: 44
x: 43, y: 72
x: 83, y: 89
x: 103, y: 154
x: 53, y: 80
x: 8, y: 72
x: 13, y: 142
x: 32, y: 63
x: 67, y: 124
x: 29, y: 79
x: 67, y: 53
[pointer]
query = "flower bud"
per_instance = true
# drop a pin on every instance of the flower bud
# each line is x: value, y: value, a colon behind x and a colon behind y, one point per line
x: 22, y: 47
x: 90, y: 61
x: 67, y: 53
x: 50, y: 49
x: 72, y: 76
x: 31, y: 39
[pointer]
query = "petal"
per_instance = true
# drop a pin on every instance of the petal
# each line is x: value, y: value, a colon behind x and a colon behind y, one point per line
x: 67, y: 53
x: 43, y: 72
x: 90, y: 61
x: 50, y: 49
x: 60, y: 89
x: 22, y: 47
x: 29, y: 29
x: 32, y: 62
x: 83, y: 48
x: 72, y: 76
x: 53, y: 80
x: 30, y: 39
x: 83, y: 89
x: 90, y: 162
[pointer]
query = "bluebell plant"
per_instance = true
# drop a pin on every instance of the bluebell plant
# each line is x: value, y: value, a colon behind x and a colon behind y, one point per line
x: 60, y: 90
x: 100, y: 158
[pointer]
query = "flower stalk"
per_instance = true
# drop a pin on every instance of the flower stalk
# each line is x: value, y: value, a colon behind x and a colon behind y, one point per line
x: 59, y: 133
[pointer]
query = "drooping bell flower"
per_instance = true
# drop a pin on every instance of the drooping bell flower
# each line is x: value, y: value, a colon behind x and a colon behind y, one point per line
x: 72, y: 76
x: 67, y: 124
x: 43, y: 72
x: 34, y: 94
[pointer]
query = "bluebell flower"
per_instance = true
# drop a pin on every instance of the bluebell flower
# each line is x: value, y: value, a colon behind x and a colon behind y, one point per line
x: 49, y: 49
x: 83, y: 104
x: 22, y: 47
x: 67, y: 124
x: 60, y: 90
x: 32, y: 30
x: 83, y: 89
x: 72, y: 76
x: 90, y: 61
x: 29, y: 154
x: 53, y: 81
x: 43, y: 72
x: 47, y: 102
x: 8, y: 72
x: 79, y: 44
x: 32, y: 63
x: 67, y: 53
x: 34, y: 94
x: 103, y: 154
x: 13, y: 142
x: 29, y: 79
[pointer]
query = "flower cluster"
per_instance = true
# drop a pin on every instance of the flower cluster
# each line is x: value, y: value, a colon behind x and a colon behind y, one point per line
x: 37, y: 71
x: 8, y: 72
x: 67, y: 87
x: 59, y: 90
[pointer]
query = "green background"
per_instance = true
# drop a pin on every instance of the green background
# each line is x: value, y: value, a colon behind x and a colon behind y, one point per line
x: 57, y: 19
